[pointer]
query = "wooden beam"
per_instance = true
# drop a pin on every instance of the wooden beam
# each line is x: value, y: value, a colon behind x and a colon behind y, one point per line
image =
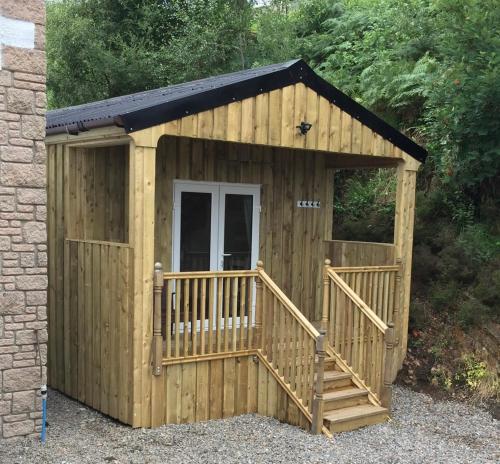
x: 141, y: 227
x: 403, y: 242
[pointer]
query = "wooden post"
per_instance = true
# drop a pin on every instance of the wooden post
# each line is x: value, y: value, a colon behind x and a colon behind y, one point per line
x: 403, y: 241
x: 258, y: 306
x: 317, y: 412
x: 396, y: 316
x: 326, y: 298
x: 386, y: 396
x: 157, y: 338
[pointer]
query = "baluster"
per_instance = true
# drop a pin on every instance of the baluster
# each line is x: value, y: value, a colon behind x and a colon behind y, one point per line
x: 178, y: 290
x: 203, y: 303
x: 258, y: 306
x: 168, y: 329
x: 218, y: 314
x: 243, y: 301
x: 234, y: 312
x: 326, y: 293
x: 194, y: 318
x: 186, y: 309
x: 318, y: 405
x: 250, y: 315
x: 157, y: 338
x: 211, y: 299
x: 227, y: 290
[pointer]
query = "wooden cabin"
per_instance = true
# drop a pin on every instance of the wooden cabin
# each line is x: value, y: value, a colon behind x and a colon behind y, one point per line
x: 193, y: 270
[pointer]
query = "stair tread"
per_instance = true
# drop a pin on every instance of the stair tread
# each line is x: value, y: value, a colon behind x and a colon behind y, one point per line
x: 337, y: 375
x: 345, y: 393
x: 354, y: 412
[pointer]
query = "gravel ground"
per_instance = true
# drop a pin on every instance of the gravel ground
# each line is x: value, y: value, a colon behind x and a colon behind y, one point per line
x: 421, y: 431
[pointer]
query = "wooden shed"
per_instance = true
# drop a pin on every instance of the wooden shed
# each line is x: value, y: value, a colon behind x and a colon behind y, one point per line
x: 193, y: 270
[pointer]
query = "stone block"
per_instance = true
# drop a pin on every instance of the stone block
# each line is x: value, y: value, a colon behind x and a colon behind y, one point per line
x: 32, y: 196
x: 35, y: 232
x: 36, y: 298
x: 7, y: 203
x: 25, y: 337
x: 14, y: 429
x: 33, y: 127
x: 22, y: 175
x: 31, y: 282
x: 23, y: 59
x: 4, y: 130
x: 17, y: 154
x: 24, y: 378
x: 4, y: 243
x: 20, y: 101
x: 11, y: 303
x: 32, y: 10
x: 5, y: 361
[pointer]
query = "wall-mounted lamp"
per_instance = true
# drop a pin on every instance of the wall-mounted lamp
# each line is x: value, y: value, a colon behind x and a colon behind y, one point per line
x: 304, y: 127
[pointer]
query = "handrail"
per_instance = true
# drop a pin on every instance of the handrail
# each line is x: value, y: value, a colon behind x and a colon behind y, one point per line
x: 207, y: 274
x: 392, y: 267
x: 303, y: 321
x: 379, y: 323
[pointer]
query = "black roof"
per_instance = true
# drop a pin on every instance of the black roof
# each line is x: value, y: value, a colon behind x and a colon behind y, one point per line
x: 152, y: 107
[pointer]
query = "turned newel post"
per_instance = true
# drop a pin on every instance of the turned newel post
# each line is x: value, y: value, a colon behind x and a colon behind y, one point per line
x: 317, y: 412
x: 157, y: 338
x: 326, y: 296
x: 386, y: 397
x: 258, y: 305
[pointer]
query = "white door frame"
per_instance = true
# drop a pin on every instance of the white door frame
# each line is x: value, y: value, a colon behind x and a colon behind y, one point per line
x: 218, y: 191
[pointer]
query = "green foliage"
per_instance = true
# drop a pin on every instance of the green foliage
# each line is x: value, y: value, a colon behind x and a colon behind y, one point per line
x: 429, y: 67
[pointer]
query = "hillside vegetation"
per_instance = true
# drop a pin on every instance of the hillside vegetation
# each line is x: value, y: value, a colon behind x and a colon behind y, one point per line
x: 429, y: 67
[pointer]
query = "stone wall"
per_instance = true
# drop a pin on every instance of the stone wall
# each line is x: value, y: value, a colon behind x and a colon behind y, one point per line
x: 23, y: 248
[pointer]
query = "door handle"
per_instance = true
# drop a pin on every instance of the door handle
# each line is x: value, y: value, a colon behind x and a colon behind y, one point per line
x: 227, y: 254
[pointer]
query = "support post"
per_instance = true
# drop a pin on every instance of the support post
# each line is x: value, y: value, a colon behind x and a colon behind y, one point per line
x: 386, y: 396
x: 258, y: 306
x: 318, y: 405
x: 157, y: 338
x: 326, y: 297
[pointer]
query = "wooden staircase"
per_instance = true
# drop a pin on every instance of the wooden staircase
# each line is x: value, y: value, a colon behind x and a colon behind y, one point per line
x: 345, y: 405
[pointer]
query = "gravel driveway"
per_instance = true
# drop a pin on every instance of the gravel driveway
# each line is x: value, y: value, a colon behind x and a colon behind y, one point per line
x: 422, y: 431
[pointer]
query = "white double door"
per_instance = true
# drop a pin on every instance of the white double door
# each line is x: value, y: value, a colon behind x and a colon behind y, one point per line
x: 215, y: 226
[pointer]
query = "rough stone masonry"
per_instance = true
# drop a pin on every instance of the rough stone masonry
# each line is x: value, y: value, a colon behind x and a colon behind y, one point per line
x: 23, y: 244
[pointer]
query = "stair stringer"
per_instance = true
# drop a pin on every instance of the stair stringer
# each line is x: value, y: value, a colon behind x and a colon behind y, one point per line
x: 291, y: 394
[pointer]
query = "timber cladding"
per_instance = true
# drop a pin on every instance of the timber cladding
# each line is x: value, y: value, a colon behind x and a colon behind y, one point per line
x: 291, y: 238
x: 218, y: 388
x: 90, y: 279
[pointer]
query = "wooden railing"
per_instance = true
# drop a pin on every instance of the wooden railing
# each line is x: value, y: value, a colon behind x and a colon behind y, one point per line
x: 288, y: 341
x: 204, y: 314
x: 358, y: 334
x: 377, y: 286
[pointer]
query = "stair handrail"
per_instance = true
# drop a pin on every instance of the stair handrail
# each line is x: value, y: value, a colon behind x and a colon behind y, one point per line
x: 386, y: 330
x: 379, y: 323
x: 287, y: 303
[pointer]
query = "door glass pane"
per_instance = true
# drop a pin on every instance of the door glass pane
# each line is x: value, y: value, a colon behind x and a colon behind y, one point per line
x: 196, y: 212
x: 238, y: 232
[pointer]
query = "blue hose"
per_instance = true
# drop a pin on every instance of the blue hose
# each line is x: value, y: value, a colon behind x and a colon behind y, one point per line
x: 43, y: 391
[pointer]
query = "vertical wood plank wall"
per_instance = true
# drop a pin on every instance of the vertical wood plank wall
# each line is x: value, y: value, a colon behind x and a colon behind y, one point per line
x: 351, y: 253
x: 98, y: 187
x: 291, y: 238
x: 215, y: 389
x: 89, y: 298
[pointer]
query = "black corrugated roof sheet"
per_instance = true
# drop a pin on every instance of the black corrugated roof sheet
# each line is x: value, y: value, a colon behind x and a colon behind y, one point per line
x: 149, y: 108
